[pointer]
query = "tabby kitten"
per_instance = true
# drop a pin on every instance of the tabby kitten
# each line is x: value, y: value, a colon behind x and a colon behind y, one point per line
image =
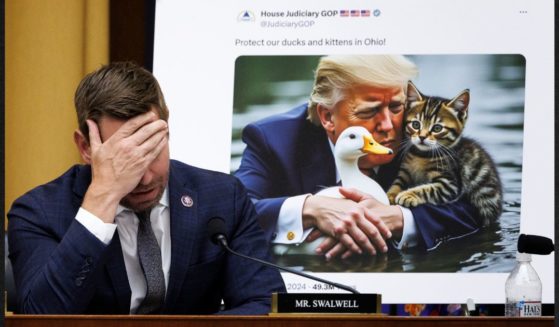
x: 439, y: 164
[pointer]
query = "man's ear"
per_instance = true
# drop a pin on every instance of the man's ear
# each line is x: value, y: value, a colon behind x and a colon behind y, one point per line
x: 325, y: 116
x: 83, y: 146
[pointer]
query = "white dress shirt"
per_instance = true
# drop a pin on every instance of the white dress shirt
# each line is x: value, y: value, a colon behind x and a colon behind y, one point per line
x: 126, y: 223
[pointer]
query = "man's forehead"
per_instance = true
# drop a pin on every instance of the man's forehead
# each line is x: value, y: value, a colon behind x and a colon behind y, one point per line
x: 375, y: 93
x: 108, y: 125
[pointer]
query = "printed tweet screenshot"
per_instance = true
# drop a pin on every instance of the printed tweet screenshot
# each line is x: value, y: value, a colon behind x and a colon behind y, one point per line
x: 457, y: 96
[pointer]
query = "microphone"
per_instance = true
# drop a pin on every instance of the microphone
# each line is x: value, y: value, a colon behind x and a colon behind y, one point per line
x: 535, y: 244
x: 217, y: 231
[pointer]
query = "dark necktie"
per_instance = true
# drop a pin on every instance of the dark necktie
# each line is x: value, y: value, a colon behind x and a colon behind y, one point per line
x: 150, y: 261
x: 373, y: 174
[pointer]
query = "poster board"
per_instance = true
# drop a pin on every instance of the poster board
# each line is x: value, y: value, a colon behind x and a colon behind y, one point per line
x: 199, y: 51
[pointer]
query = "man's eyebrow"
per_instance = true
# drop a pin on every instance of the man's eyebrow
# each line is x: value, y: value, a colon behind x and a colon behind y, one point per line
x: 366, y: 105
x: 398, y: 98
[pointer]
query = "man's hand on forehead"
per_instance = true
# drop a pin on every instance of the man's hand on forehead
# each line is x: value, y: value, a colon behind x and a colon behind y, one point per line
x: 140, y: 136
x: 145, y: 128
x: 136, y: 124
x: 119, y: 163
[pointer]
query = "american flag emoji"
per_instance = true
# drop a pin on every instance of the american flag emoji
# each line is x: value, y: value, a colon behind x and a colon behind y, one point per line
x: 365, y: 13
x: 344, y: 13
x: 355, y: 13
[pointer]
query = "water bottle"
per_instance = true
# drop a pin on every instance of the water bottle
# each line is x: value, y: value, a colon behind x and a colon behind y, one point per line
x: 523, y: 289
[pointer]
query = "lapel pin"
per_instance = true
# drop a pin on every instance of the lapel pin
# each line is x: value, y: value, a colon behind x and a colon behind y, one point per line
x: 187, y: 201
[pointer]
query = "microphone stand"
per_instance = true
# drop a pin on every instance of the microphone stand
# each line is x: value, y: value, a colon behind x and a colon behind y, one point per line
x: 223, y: 242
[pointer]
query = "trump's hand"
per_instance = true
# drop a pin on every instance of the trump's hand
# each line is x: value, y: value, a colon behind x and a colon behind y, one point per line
x: 350, y: 225
x: 390, y: 215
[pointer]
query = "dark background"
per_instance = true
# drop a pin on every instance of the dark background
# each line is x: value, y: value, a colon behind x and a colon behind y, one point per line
x: 131, y: 27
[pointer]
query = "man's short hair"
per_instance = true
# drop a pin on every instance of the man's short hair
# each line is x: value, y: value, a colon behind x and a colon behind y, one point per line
x: 119, y: 90
x: 335, y: 75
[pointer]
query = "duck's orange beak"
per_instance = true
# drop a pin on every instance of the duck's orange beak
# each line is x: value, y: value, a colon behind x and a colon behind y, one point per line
x: 373, y: 147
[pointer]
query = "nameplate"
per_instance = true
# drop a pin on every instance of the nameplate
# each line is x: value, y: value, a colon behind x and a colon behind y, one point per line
x: 325, y: 303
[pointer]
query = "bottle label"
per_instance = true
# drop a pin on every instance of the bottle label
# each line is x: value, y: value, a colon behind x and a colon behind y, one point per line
x: 524, y: 309
x: 531, y: 309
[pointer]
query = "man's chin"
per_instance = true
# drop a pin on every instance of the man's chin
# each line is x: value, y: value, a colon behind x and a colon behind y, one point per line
x: 138, y: 206
x: 141, y: 202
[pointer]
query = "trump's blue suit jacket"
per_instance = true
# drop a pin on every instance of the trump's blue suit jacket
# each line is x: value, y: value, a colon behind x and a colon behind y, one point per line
x: 60, y: 267
x: 286, y: 155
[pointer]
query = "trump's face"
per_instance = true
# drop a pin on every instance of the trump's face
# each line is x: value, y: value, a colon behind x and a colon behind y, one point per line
x: 379, y: 110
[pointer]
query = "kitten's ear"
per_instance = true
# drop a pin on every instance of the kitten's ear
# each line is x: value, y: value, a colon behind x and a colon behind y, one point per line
x: 461, y: 102
x: 413, y: 93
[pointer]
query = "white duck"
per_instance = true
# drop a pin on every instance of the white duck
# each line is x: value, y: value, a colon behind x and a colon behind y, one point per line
x: 353, y: 143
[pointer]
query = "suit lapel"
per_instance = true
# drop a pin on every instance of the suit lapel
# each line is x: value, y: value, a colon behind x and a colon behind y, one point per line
x: 82, y: 181
x: 117, y: 273
x: 318, y: 170
x: 184, y: 220
x: 387, y: 173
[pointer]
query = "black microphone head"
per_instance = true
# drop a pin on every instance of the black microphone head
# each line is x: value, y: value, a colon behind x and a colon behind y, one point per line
x: 216, y: 227
x: 535, y: 244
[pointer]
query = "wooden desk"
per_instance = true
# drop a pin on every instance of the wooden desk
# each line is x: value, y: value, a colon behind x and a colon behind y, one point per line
x: 270, y: 321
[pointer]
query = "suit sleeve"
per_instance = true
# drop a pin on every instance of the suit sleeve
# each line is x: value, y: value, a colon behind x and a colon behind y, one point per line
x: 249, y: 285
x: 260, y: 175
x: 438, y: 224
x: 54, y: 273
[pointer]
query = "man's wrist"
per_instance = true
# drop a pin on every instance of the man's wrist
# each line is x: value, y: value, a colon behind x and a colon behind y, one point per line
x: 396, y: 222
x: 289, y: 227
x: 101, y: 202
x: 409, y: 236
x: 104, y: 232
x: 309, y: 212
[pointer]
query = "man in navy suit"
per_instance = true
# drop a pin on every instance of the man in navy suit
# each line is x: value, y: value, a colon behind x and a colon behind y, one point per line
x: 127, y: 233
x: 289, y: 157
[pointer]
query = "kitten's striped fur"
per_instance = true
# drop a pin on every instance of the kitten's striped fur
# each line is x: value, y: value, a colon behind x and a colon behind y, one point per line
x: 439, y: 164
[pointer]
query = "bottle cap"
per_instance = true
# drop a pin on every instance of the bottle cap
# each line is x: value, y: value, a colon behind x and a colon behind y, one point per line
x: 523, y: 257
